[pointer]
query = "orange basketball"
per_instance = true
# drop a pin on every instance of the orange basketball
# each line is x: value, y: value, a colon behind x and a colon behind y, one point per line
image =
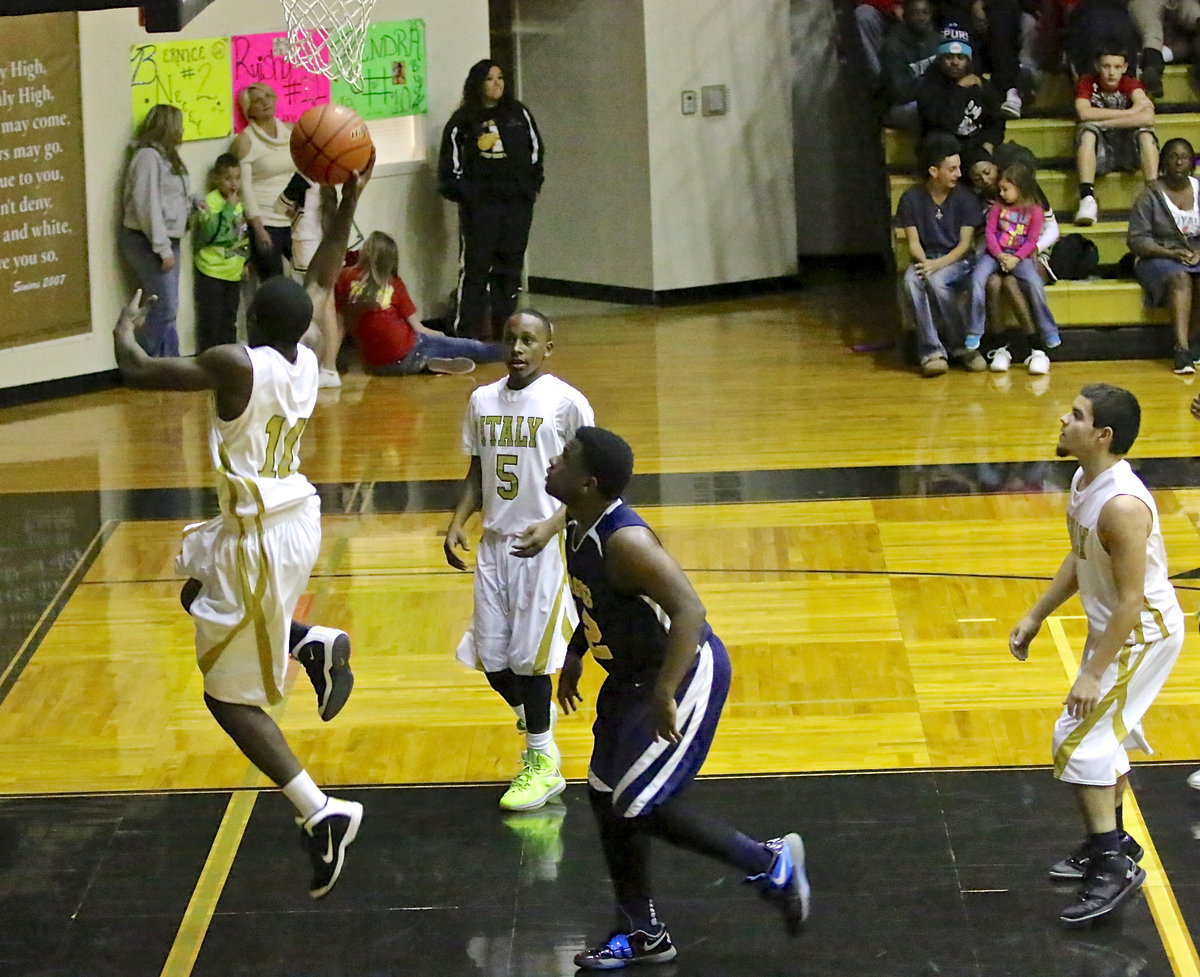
x: 329, y: 142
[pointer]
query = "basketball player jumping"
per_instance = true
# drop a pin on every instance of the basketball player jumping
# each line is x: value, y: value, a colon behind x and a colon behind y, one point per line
x: 1118, y: 566
x: 248, y: 567
x: 668, y: 676
x: 523, y: 614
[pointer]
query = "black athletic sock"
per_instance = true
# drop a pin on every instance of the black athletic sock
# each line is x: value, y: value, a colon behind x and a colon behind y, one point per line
x: 637, y: 915
x: 536, y: 691
x: 505, y: 682
x: 297, y: 634
x: 1104, y: 841
x: 626, y: 849
x: 678, y: 823
x: 1087, y: 190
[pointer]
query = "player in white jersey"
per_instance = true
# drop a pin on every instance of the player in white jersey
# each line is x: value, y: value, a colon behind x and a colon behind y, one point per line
x: 524, y: 615
x: 1118, y: 566
x: 248, y: 567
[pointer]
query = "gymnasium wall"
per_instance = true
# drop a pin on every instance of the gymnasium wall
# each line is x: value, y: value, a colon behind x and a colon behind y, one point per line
x: 655, y: 199
x: 403, y: 202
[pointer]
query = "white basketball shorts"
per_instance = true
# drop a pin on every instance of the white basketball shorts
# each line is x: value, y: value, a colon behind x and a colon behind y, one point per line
x: 250, y: 581
x: 524, y: 615
x: 1092, y: 751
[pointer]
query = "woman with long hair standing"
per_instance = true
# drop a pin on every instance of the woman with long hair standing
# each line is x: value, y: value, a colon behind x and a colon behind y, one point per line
x: 491, y: 166
x: 157, y: 205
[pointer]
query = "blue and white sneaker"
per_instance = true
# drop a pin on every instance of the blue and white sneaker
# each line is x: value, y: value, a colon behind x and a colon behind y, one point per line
x: 786, y: 884
x: 623, y: 949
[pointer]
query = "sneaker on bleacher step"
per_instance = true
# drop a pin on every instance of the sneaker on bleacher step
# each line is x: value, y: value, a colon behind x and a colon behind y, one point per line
x: 1088, y: 212
x: 1011, y: 106
x: 1038, y: 363
x: 999, y: 360
x: 1184, y: 365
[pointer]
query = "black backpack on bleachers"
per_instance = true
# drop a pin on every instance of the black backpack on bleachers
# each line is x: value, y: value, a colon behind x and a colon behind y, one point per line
x: 1075, y: 257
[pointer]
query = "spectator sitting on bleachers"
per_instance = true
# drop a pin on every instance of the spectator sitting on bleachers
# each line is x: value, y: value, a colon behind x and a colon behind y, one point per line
x: 1150, y: 17
x: 1014, y: 224
x: 938, y: 218
x: 874, y: 18
x: 908, y: 50
x: 1018, y: 343
x: 953, y: 100
x: 1164, y: 236
x: 994, y: 27
x: 1116, y: 127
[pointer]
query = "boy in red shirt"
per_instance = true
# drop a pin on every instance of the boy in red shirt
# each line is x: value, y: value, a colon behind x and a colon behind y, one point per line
x: 1116, y: 128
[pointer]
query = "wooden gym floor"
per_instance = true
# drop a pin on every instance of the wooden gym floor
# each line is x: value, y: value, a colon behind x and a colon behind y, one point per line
x: 863, y: 539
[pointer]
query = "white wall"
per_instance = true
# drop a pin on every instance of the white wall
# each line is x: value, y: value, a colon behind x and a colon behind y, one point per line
x: 722, y: 186
x: 405, y: 205
x: 715, y: 193
x: 583, y: 75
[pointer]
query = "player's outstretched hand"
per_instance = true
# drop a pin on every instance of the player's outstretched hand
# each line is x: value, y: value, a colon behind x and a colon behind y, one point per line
x: 1020, y: 636
x: 455, y: 539
x: 133, y: 314
x: 568, y: 696
x: 534, y: 539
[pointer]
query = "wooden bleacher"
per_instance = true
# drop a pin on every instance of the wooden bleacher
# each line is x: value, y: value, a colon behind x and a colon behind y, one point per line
x: 1098, y: 304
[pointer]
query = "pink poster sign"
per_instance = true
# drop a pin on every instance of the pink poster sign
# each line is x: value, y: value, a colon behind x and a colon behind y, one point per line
x: 259, y: 57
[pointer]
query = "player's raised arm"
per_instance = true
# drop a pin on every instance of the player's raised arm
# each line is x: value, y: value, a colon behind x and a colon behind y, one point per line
x: 331, y: 252
x: 224, y: 369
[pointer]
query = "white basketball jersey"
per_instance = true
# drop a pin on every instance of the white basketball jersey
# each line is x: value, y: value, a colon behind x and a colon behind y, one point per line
x: 1161, y: 614
x: 516, y: 433
x: 257, y: 454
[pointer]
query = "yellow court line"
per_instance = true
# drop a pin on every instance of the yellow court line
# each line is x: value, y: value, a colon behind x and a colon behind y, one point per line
x: 1172, y: 930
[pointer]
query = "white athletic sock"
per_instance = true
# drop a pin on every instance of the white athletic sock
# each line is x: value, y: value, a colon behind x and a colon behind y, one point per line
x: 540, y: 741
x: 1168, y: 55
x: 304, y: 794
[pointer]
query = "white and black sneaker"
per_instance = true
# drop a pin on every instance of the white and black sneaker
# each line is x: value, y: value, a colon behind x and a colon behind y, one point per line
x: 326, y: 836
x: 1074, y: 867
x: 1111, y: 879
x: 623, y: 949
x: 325, y: 655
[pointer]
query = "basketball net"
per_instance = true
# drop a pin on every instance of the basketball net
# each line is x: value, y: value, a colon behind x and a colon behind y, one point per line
x: 327, y: 36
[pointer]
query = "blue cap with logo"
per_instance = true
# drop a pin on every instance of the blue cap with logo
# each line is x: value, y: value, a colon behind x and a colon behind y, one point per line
x: 955, y: 40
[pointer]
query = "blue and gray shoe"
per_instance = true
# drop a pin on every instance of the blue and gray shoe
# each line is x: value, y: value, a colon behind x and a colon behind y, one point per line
x: 786, y: 883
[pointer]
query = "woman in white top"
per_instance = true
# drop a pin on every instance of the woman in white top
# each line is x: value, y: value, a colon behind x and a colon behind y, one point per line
x: 264, y: 150
x: 1164, y: 236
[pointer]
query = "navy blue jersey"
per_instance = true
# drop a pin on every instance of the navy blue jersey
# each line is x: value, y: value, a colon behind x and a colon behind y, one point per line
x: 626, y: 633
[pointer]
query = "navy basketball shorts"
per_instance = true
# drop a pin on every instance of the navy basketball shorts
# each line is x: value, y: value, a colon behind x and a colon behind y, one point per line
x: 635, y: 765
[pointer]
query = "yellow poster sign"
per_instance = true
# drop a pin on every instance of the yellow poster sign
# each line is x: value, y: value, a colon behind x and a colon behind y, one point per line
x: 193, y: 75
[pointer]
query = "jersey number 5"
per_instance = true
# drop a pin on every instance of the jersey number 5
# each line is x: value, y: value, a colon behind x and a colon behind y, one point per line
x: 509, y: 484
x: 282, y: 453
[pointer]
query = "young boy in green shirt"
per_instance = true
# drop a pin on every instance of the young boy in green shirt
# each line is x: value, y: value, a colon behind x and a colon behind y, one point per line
x: 220, y: 247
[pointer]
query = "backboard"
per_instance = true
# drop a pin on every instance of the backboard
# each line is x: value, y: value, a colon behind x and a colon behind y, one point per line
x: 158, y: 16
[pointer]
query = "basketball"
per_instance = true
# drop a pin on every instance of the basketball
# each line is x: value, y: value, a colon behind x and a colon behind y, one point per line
x: 329, y: 142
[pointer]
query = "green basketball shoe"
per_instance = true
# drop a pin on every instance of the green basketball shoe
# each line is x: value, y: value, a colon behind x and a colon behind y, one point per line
x: 537, y: 782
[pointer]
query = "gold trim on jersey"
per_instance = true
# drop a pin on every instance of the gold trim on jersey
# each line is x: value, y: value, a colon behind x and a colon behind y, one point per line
x: 252, y: 595
x: 1127, y: 665
x: 553, y: 627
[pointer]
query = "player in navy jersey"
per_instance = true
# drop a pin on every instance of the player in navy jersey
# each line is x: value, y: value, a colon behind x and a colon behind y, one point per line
x: 668, y: 676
